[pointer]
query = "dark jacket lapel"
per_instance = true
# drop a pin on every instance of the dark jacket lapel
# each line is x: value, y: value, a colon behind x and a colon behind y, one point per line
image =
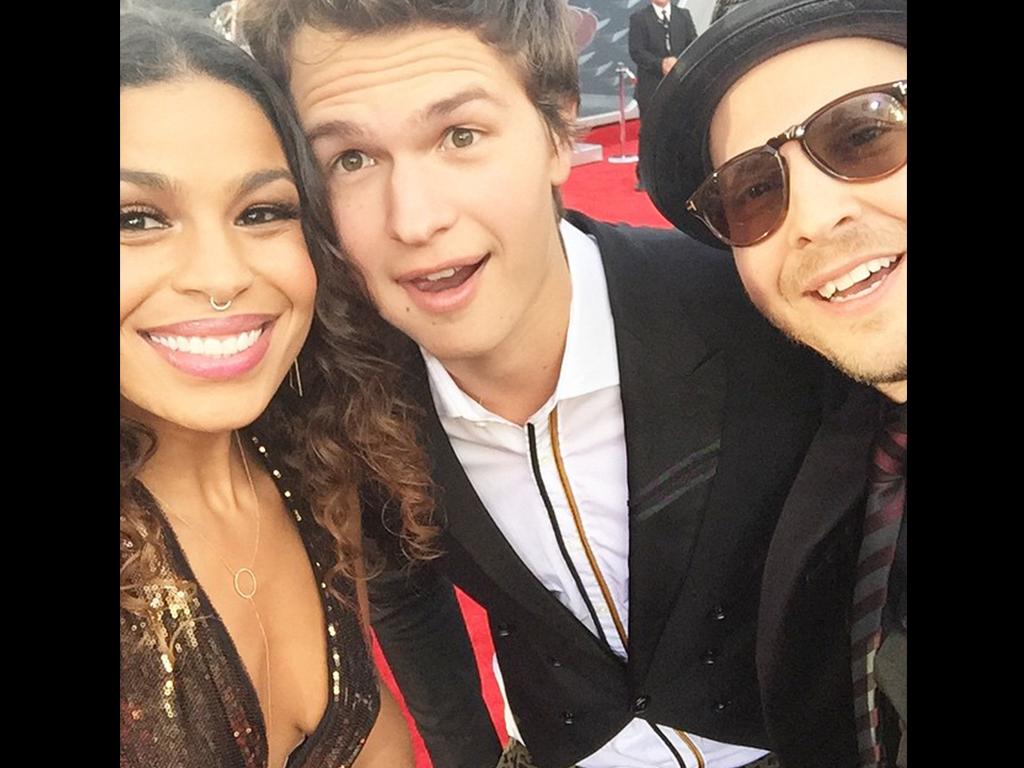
x: 829, y: 489
x: 803, y: 641
x: 673, y: 390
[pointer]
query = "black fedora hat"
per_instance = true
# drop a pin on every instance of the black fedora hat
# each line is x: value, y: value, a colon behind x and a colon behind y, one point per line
x: 674, y: 140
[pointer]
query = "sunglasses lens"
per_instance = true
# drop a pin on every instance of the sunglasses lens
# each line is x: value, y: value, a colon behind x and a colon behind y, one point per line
x: 861, y: 138
x: 747, y: 198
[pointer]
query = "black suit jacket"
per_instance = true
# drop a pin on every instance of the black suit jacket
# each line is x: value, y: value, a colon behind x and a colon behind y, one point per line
x: 647, y: 47
x: 803, y: 646
x: 718, y: 411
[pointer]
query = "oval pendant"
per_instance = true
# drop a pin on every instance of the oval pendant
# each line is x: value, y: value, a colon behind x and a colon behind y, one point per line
x: 245, y: 594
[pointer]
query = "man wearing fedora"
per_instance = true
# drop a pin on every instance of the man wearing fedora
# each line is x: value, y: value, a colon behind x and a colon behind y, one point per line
x: 793, y: 154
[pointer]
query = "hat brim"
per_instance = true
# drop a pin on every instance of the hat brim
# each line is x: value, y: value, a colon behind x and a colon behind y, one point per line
x: 674, y: 140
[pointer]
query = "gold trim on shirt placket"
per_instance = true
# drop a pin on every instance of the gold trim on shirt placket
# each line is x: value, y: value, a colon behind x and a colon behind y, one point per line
x: 567, y: 489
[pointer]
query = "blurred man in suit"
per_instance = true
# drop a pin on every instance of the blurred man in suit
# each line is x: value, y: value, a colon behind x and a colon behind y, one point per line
x: 658, y: 33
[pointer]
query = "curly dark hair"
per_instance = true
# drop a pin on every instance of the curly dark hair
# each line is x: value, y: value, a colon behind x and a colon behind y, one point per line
x: 352, y: 429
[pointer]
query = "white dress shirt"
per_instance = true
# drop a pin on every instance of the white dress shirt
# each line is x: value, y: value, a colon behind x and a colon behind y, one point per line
x: 499, y: 458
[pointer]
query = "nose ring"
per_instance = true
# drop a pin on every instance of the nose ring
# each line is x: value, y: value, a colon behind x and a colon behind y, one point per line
x: 218, y: 306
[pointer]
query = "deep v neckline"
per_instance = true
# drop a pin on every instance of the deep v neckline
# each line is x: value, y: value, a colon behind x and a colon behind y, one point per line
x: 234, y: 658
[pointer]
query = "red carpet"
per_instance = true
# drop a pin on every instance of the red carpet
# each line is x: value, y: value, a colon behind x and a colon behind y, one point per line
x: 480, y: 636
x: 605, y: 191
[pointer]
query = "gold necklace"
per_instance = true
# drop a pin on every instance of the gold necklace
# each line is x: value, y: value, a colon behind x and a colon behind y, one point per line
x: 237, y: 574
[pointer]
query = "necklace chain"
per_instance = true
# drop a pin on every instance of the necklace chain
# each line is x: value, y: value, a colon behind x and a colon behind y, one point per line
x: 237, y: 574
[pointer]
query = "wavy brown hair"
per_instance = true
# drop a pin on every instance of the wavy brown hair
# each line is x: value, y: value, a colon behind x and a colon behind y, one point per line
x: 352, y: 435
x: 535, y: 36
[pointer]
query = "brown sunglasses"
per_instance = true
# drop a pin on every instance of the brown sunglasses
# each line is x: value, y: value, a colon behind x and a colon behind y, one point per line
x: 861, y: 136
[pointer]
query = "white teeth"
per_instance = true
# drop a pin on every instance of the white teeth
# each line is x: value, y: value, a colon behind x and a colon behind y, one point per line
x: 857, y: 274
x: 441, y: 275
x: 246, y: 340
x: 845, y: 281
x: 209, y: 346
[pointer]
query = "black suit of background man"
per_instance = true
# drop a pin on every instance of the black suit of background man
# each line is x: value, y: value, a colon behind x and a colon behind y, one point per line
x: 648, y: 49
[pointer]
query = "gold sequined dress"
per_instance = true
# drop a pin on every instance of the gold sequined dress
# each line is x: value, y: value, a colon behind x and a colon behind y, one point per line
x: 186, y: 699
